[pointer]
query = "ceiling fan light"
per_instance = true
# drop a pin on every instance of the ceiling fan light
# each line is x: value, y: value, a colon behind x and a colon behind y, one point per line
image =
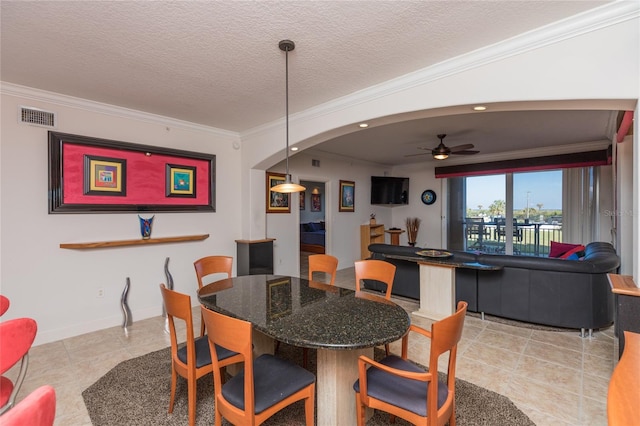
x: 441, y: 156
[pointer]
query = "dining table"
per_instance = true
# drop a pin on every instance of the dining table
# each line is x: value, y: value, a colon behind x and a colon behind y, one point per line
x: 341, y: 324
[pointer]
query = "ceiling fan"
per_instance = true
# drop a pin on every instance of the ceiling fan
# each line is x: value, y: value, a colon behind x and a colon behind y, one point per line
x: 442, y: 152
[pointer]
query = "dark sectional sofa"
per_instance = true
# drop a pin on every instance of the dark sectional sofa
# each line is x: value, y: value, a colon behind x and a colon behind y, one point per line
x: 549, y: 291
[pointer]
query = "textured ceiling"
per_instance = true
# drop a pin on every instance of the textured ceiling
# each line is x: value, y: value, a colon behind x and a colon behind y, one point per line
x: 217, y: 63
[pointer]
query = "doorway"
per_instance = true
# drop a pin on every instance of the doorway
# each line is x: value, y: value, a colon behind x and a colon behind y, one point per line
x: 313, y: 224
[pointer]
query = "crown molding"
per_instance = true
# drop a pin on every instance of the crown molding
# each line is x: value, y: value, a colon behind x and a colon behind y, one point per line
x: 593, y: 20
x: 30, y: 93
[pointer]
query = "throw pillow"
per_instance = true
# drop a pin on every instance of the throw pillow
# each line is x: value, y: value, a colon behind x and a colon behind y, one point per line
x: 575, y: 250
x: 558, y: 249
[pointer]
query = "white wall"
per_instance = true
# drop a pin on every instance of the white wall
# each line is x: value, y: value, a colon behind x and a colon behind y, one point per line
x: 58, y: 287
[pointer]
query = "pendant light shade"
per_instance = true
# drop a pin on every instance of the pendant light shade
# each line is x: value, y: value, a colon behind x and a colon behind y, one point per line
x: 287, y: 186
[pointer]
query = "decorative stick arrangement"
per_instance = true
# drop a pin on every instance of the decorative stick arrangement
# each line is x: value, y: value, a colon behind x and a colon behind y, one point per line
x: 413, y: 224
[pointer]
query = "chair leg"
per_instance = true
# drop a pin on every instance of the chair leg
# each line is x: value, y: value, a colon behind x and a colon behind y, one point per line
x: 191, y: 396
x: 360, y: 411
x: 309, y: 404
x: 201, y: 325
x: 386, y: 349
x: 172, y: 398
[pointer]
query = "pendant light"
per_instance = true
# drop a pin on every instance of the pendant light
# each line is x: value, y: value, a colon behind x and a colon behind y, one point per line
x: 287, y: 186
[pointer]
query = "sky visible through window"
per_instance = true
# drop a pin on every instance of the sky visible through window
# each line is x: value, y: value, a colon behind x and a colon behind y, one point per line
x: 543, y: 188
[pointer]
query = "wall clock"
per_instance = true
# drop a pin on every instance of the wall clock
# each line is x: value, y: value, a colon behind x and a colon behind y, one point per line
x: 428, y: 197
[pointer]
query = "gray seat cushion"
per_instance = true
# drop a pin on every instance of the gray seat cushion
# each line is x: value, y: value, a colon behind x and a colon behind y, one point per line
x: 408, y: 394
x: 274, y: 378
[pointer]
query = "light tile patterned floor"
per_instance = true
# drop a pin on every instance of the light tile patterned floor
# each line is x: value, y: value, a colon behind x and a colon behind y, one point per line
x: 556, y: 378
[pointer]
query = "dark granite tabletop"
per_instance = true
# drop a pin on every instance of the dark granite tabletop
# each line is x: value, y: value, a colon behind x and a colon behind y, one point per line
x: 306, y: 313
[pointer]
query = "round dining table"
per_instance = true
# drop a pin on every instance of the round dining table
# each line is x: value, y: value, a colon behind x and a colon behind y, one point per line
x: 340, y: 323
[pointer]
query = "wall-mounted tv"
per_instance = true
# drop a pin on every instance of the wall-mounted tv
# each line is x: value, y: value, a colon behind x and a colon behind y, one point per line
x: 389, y: 191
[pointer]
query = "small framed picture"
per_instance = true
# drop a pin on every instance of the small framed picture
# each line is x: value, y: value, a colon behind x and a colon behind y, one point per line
x: 316, y: 203
x: 276, y: 201
x: 302, y: 200
x: 105, y: 176
x: 347, y: 196
x: 180, y: 181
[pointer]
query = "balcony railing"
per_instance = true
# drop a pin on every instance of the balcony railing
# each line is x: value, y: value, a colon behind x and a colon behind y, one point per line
x: 533, y: 239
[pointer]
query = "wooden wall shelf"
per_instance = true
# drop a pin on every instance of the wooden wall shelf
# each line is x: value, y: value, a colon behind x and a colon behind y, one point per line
x: 138, y: 242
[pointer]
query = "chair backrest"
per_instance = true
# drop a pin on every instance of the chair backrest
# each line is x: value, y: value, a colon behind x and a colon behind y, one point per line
x: 178, y: 305
x: 212, y: 265
x: 377, y: 270
x: 16, y: 337
x: 445, y: 335
x: 36, y: 409
x: 236, y: 335
x: 323, y: 263
x: 4, y: 304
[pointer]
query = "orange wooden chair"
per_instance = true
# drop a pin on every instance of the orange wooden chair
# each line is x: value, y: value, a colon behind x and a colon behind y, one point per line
x: 263, y: 387
x: 323, y: 263
x: 210, y: 265
x: 376, y: 270
x: 16, y: 337
x: 401, y: 388
x: 192, y: 360
x: 36, y: 409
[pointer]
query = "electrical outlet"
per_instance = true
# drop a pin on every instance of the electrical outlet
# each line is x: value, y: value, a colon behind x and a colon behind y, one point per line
x: 100, y: 293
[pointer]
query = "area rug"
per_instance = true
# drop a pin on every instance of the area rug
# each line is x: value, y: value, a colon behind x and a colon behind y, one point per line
x: 136, y: 392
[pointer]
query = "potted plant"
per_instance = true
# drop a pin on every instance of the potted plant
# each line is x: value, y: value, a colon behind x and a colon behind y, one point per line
x: 372, y: 219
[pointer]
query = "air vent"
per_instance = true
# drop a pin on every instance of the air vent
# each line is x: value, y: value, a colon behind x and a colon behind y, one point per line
x: 315, y: 163
x: 37, y: 117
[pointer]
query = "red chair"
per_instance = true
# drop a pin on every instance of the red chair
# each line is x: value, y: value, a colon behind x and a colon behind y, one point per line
x: 4, y: 304
x: 37, y: 409
x: 16, y: 338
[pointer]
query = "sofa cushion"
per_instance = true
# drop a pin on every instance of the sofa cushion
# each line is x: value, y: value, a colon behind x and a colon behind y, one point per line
x: 577, y: 251
x: 558, y: 249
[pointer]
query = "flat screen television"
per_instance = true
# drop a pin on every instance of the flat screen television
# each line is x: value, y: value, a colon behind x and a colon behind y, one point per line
x: 389, y: 191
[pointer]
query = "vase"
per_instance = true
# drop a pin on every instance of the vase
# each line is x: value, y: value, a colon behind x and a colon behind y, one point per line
x: 145, y: 227
x: 372, y: 221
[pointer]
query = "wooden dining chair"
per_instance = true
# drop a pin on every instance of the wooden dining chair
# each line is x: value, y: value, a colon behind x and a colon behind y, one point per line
x: 36, y: 409
x: 376, y: 270
x: 401, y: 388
x: 192, y: 360
x: 263, y: 386
x: 323, y: 263
x: 16, y: 338
x: 210, y: 265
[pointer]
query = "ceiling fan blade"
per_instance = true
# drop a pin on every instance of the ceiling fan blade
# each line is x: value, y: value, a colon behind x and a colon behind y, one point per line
x: 422, y: 153
x: 465, y: 152
x: 461, y: 147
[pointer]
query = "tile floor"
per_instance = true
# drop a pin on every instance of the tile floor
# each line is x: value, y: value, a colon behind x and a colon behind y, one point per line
x: 556, y: 378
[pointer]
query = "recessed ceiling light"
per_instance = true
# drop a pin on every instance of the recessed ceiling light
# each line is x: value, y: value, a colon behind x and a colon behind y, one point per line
x: 294, y: 148
x: 363, y: 125
x: 480, y: 108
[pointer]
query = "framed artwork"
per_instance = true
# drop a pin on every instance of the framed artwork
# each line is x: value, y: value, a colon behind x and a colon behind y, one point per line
x: 303, y: 195
x: 91, y: 175
x: 105, y: 176
x: 316, y: 203
x: 279, y: 297
x: 347, y: 194
x: 276, y: 201
x: 180, y: 181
